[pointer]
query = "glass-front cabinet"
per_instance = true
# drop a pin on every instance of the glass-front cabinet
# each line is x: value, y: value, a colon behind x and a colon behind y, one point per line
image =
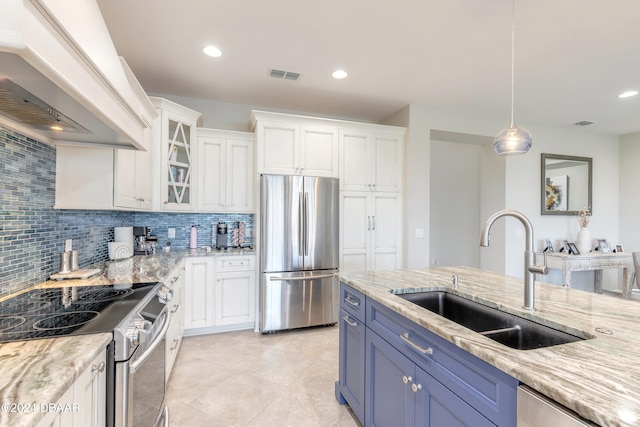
x: 179, y: 161
x: 177, y: 156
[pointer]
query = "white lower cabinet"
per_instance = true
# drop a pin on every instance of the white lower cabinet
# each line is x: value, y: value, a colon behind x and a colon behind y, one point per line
x: 85, y: 402
x: 219, y: 293
x: 176, y: 313
x: 235, y: 290
x: 370, y: 231
x: 199, y: 296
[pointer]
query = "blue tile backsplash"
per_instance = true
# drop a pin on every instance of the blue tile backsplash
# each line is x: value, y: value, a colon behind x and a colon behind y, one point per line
x: 32, y: 233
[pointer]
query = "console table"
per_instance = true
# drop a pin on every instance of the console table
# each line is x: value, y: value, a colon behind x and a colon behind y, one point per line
x: 593, y: 261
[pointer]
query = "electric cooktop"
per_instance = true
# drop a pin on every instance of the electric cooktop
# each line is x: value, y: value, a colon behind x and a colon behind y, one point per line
x: 54, y: 312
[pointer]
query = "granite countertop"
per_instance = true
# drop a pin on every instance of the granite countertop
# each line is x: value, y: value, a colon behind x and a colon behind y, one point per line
x: 39, y: 372
x: 599, y: 378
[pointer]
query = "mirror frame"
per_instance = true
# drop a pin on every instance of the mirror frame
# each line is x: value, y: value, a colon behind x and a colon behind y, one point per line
x: 544, y: 157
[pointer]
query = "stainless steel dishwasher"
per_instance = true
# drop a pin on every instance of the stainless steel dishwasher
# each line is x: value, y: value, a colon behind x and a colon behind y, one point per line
x: 536, y: 410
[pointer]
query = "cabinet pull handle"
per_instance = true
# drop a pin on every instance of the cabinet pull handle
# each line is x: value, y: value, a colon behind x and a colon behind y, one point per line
x: 175, y: 308
x: 405, y: 338
x: 406, y: 379
x: 352, y: 302
x: 368, y: 223
x: 175, y: 344
x: 374, y: 222
x: 416, y: 387
x: 99, y: 367
x: 350, y: 322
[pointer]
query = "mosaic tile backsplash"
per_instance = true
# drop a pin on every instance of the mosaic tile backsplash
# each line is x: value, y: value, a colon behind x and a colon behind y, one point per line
x: 32, y: 233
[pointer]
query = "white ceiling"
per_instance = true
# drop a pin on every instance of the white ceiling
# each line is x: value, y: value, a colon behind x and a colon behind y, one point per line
x: 573, y: 57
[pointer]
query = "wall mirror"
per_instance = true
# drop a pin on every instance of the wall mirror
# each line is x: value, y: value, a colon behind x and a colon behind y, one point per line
x: 566, y: 184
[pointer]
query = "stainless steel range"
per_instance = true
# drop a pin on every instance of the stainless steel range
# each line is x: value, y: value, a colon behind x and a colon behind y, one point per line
x: 135, y: 314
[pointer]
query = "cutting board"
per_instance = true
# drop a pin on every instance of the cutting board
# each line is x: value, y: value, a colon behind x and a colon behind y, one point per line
x: 77, y: 274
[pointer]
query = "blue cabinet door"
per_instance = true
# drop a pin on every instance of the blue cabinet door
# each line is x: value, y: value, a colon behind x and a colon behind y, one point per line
x: 351, y: 362
x: 436, y: 405
x: 388, y: 389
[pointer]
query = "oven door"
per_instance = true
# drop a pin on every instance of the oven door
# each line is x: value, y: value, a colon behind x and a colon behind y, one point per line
x: 140, y: 385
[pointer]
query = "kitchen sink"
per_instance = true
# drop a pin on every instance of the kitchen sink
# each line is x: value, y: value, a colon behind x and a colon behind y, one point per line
x: 505, y: 328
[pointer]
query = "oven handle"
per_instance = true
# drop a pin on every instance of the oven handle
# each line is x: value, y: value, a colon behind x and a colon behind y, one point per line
x: 133, y: 367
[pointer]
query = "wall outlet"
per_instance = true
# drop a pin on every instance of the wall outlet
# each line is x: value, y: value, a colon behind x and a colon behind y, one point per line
x: 171, y: 233
x: 419, y: 233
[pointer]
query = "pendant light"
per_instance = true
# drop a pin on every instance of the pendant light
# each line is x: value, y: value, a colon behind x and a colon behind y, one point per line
x: 513, y: 140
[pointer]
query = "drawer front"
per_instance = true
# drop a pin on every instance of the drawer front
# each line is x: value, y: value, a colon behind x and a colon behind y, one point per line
x: 235, y: 263
x: 352, y: 301
x: 487, y: 389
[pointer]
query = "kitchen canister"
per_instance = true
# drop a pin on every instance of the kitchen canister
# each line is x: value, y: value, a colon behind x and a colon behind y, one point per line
x: 124, y: 235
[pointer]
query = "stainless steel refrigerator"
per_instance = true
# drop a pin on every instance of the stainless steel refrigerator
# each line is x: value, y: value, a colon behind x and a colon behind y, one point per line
x: 299, y: 251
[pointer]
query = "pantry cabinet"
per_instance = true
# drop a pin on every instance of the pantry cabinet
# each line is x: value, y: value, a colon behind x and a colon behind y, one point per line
x: 225, y: 171
x: 291, y: 145
x: 372, y: 160
x: 370, y: 231
x: 174, y: 156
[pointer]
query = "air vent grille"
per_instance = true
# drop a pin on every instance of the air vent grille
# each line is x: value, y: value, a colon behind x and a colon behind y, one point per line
x: 287, y: 75
x: 584, y: 123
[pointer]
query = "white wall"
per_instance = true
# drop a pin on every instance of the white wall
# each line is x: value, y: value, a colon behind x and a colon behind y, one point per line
x: 629, y: 192
x: 455, y: 204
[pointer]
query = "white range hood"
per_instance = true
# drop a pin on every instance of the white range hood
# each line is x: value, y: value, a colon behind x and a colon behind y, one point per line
x: 58, y: 66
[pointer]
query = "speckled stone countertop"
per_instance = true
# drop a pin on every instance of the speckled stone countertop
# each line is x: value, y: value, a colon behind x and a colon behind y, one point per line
x: 38, y: 372
x: 598, y: 378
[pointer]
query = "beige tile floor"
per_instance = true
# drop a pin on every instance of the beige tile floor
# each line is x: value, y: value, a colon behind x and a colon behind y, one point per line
x: 247, y: 379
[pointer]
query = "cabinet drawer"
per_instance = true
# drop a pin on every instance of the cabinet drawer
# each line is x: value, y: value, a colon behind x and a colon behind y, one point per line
x: 487, y: 389
x: 352, y: 301
x: 235, y: 263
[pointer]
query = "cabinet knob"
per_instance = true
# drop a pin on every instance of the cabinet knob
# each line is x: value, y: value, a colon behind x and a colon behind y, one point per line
x: 99, y: 367
x: 416, y: 387
x: 406, y: 379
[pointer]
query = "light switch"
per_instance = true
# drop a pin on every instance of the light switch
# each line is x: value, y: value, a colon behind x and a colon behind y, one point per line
x: 171, y: 234
x: 419, y: 233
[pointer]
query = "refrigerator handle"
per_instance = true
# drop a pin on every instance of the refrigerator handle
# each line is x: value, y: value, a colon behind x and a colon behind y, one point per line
x: 306, y: 224
x: 301, y: 221
x: 299, y: 278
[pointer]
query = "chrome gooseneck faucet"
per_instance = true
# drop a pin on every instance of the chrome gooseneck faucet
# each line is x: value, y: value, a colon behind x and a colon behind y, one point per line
x: 529, y: 267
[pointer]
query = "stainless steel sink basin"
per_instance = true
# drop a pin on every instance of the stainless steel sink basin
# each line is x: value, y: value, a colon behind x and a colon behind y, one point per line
x: 505, y: 328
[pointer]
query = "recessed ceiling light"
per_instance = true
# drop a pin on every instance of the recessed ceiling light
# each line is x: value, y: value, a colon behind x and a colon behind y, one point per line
x: 628, y: 94
x: 212, y: 51
x: 339, y: 74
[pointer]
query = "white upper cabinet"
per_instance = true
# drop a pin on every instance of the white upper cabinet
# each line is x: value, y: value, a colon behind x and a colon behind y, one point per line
x: 225, y: 171
x: 291, y: 145
x: 174, y: 156
x: 371, y: 160
x: 132, y: 180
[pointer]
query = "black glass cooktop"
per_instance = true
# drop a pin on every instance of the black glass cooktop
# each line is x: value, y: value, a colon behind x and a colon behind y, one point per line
x: 45, y: 313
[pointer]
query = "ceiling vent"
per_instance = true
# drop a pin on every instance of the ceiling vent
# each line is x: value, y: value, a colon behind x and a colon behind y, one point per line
x: 287, y: 75
x: 583, y: 123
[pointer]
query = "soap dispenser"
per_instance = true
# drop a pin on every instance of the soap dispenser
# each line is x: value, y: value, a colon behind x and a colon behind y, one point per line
x: 193, y: 237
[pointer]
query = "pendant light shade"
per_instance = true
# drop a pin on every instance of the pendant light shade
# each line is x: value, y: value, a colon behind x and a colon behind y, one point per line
x: 513, y: 140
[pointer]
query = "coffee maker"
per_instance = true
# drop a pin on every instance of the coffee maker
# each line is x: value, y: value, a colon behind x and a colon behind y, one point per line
x: 144, y: 242
x: 222, y: 238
